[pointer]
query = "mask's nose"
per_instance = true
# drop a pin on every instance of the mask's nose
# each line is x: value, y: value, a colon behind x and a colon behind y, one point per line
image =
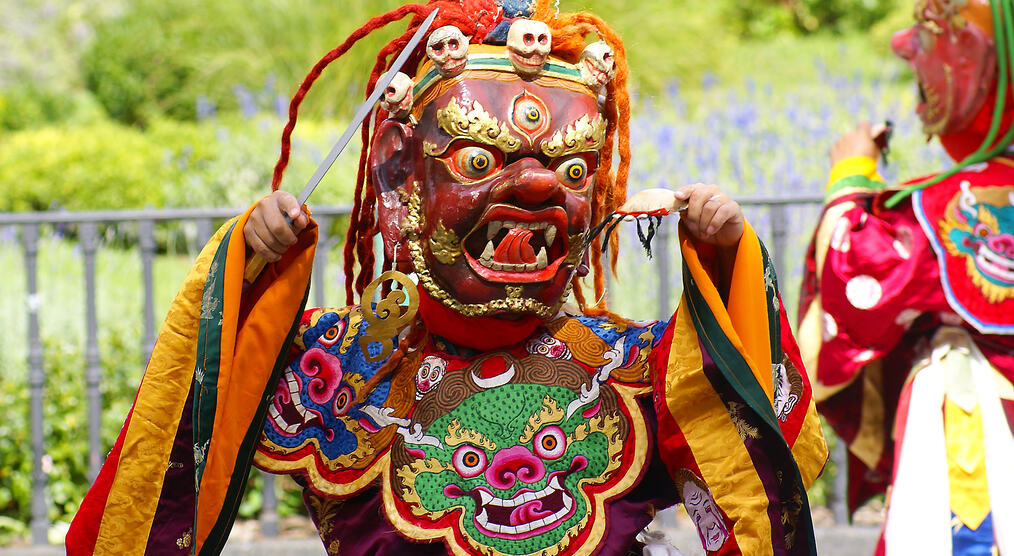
x: 530, y: 186
x: 905, y: 43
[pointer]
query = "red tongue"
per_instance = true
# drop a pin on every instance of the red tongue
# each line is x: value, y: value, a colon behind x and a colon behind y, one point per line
x: 528, y: 512
x: 515, y: 249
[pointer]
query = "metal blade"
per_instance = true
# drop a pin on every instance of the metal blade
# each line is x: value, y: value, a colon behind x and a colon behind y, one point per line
x: 365, y: 109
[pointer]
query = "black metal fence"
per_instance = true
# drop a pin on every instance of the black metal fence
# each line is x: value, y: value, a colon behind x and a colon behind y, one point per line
x: 773, y: 218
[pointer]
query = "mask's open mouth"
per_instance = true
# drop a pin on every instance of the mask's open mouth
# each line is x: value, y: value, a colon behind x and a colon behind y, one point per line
x: 510, y: 244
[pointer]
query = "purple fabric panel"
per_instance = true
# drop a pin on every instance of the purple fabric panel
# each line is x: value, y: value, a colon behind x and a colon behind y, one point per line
x: 359, y: 527
x: 759, y: 450
x: 172, y: 529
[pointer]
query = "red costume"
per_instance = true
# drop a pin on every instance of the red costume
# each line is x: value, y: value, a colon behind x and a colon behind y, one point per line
x: 907, y: 310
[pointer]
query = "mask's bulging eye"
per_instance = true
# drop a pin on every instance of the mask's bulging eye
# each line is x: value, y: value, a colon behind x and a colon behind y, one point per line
x: 473, y: 162
x: 469, y: 461
x: 332, y: 335
x: 572, y: 172
x: 550, y: 442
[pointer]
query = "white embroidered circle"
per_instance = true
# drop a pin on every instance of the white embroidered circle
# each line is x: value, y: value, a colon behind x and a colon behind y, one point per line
x: 903, y: 242
x: 906, y: 317
x: 830, y: 329
x: 840, y: 235
x: 863, y: 291
x: 864, y: 356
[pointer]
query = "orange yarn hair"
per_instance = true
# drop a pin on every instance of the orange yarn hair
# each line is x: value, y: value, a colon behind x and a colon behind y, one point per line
x: 475, y: 18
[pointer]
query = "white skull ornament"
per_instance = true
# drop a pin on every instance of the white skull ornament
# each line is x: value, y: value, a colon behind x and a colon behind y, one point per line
x: 528, y: 45
x: 397, y: 98
x: 448, y: 48
x: 598, y: 64
x: 430, y: 373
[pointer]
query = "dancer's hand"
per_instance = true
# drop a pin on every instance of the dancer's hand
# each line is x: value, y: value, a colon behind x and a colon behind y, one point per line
x: 267, y: 233
x: 858, y: 142
x: 710, y: 215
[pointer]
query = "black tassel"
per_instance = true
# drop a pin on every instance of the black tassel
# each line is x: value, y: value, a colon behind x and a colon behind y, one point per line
x: 609, y: 223
x: 645, y: 238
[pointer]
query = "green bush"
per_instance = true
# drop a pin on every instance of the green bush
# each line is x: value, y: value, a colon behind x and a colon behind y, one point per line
x: 87, y: 167
x: 164, y: 58
x: 160, y: 57
x: 27, y: 105
x: 224, y: 162
x: 228, y: 162
x: 65, y: 425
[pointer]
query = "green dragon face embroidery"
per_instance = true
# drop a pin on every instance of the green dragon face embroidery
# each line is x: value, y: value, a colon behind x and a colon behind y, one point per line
x: 979, y: 226
x: 510, y: 461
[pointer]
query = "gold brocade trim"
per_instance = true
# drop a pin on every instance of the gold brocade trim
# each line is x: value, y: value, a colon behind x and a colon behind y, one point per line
x: 744, y: 429
x: 724, y: 462
x: 148, y: 439
x: 445, y: 245
x: 810, y: 448
x: 868, y: 444
x: 363, y: 450
x: 413, y: 223
x: 472, y: 123
x: 964, y: 435
x: 584, y: 135
x: 598, y: 526
x: 320, y: 484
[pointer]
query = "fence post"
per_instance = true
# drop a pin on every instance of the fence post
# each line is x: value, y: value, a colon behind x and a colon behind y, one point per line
x: 146, y: 241
x: 320, y: 263
x: 269, y: 507
x: 204, y: 231
x: 88, y: 232
x: 36, y: 378
x: 839, y: 494
x: 779, y: 234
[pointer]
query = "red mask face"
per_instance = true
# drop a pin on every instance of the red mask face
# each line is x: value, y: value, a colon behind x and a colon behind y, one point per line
x: 955, y: 67
x: 505, y: 172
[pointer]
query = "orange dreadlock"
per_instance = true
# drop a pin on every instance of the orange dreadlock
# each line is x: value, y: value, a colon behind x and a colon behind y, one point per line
x: 569, y: 40
x: 475, y: 18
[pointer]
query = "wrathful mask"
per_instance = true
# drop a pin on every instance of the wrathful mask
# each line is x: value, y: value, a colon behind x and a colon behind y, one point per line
x: 487, y: 196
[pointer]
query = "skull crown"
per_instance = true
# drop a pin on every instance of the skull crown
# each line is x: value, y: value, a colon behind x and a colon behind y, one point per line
x: 397, y: 98
x: 598, y: 64
x: 447, y: 46
x: 528, y: 46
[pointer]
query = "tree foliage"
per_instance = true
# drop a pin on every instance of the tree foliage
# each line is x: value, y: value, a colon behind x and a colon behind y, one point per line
x: 765, y: 18
x: 171, y: 57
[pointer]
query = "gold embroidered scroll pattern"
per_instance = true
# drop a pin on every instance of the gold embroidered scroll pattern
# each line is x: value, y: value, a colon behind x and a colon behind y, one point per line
x: 584, y: 135
x: 475, y: 124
